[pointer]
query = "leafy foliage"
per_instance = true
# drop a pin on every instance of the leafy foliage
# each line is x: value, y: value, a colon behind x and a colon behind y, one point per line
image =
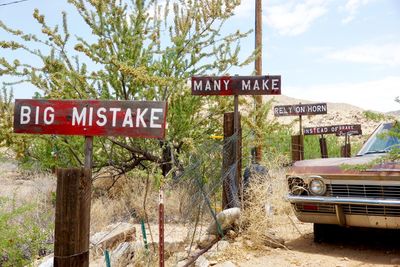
x: 23, y: 236
x: 138, y: 50
x: 373, y: 116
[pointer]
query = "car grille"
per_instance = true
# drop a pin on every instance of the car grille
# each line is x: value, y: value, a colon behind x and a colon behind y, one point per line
x: 371, y: 210
x: 348, y: 209
x: 367, y: 191
x: 315, y: 208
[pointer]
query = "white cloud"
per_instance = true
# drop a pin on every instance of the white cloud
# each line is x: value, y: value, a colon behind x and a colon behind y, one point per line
x: 295, y: 17
x: 385, y: 54
x: 376, y: 95
x: 352, y: 7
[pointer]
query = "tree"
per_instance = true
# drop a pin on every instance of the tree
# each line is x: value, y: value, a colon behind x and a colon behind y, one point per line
x: 139, y: 50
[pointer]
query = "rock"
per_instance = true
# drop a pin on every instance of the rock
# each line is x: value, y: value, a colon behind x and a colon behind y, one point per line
x: 47, y: 263
x: 201, y: 262
x: 114, y: 235
x: 206, y: 240
x: 226, y: 219
x: 226, y: 264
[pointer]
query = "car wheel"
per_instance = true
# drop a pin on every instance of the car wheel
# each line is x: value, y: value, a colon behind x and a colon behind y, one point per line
x: 324, y: 232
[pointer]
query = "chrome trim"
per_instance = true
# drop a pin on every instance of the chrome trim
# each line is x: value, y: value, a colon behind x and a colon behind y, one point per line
x: 343, y: 200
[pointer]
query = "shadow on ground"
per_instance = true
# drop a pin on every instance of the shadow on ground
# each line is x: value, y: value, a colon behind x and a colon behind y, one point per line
x: 374, y: 246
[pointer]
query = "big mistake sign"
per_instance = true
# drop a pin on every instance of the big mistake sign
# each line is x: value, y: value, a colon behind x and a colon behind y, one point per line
x: 90, y: 117
x: 236, y: 85
x: 353, y: 129
x: 301, y: 109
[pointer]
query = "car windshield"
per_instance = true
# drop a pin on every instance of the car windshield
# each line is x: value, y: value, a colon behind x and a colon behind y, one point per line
x: 381, y: 141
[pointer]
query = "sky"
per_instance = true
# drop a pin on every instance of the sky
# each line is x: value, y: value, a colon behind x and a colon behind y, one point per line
x: 343, y: 51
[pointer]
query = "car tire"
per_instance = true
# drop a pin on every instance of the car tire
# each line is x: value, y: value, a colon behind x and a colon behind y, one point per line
x: 324, y: 232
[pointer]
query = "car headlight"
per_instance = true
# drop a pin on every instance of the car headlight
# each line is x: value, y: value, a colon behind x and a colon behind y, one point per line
x: 317, y: 187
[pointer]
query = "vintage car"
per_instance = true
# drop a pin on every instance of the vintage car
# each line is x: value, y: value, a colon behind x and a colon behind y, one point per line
x: 363, y: 191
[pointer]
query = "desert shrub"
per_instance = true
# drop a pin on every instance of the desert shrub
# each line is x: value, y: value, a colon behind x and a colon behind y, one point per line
x: 373, y: 116
x: 23, y: 233
x: 334, y: 143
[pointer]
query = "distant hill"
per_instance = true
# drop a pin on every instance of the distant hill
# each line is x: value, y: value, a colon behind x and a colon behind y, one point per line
x: 394, y: 113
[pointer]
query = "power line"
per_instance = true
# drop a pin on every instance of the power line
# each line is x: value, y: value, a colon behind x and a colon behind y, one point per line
x: 14, y: 2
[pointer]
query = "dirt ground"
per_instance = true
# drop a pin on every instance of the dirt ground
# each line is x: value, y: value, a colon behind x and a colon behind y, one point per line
x: 350, y: 248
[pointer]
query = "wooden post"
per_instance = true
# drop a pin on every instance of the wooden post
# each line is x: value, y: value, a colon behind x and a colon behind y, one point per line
x: 72, y: 222
x: 229, y: 159
x: 88, y: 152
x: 346, y: 149
x: 297, y: 147
x: 323, y: 147
x: 258, y: 67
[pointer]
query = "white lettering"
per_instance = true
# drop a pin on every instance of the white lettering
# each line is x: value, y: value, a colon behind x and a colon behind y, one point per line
x: 256, y: 86
x: 226, y: 83
x: 265, y: 84
x: 139, y: 118
x: 78, y: 119
x: 275, y: 85
x: 114, y: 116
x: 208, y: 86
x: 153, y: 117
x: 128, y: 118
x: 48, y: 118
x: 25, y: 115
x: 37, y: 116
x: 90, y: 116
x: 198, y: 85
x: 101, y: 117
x: 246, y: 86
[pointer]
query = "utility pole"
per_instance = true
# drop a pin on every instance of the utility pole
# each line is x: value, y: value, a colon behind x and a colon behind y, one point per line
x: 258, y: 67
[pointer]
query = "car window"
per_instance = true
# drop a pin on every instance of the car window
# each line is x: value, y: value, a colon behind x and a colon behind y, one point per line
x: 380, y: 141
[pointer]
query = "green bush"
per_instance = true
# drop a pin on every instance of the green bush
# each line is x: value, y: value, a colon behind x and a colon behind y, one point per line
x: 374, y: 116
x: 24, y: 233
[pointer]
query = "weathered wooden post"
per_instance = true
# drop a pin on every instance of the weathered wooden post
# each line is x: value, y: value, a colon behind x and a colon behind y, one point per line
x: 230, y: 198
x: 72, y: 220
x: 323, y: 147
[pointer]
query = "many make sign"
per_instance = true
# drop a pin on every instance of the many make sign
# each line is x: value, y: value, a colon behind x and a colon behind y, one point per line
x: 90, y: 117
x: 236, y: 85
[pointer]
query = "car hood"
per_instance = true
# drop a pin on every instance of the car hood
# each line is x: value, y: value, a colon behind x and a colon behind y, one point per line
x: 361, y: 165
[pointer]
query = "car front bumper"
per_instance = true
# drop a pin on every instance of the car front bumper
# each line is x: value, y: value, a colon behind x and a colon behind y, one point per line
x: 347, y: 211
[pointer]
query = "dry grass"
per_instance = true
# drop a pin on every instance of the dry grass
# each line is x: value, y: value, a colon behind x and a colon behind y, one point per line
x: 266, y: 210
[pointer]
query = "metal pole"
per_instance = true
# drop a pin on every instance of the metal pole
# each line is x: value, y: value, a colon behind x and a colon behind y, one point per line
x: 161, y: 227
x: 258, y: 67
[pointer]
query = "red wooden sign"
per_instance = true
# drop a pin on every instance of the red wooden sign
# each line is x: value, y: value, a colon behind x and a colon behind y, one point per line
x: 301, y: 109
x: 236, y: 85
x: 350, y: 129
x: 90, y: 117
